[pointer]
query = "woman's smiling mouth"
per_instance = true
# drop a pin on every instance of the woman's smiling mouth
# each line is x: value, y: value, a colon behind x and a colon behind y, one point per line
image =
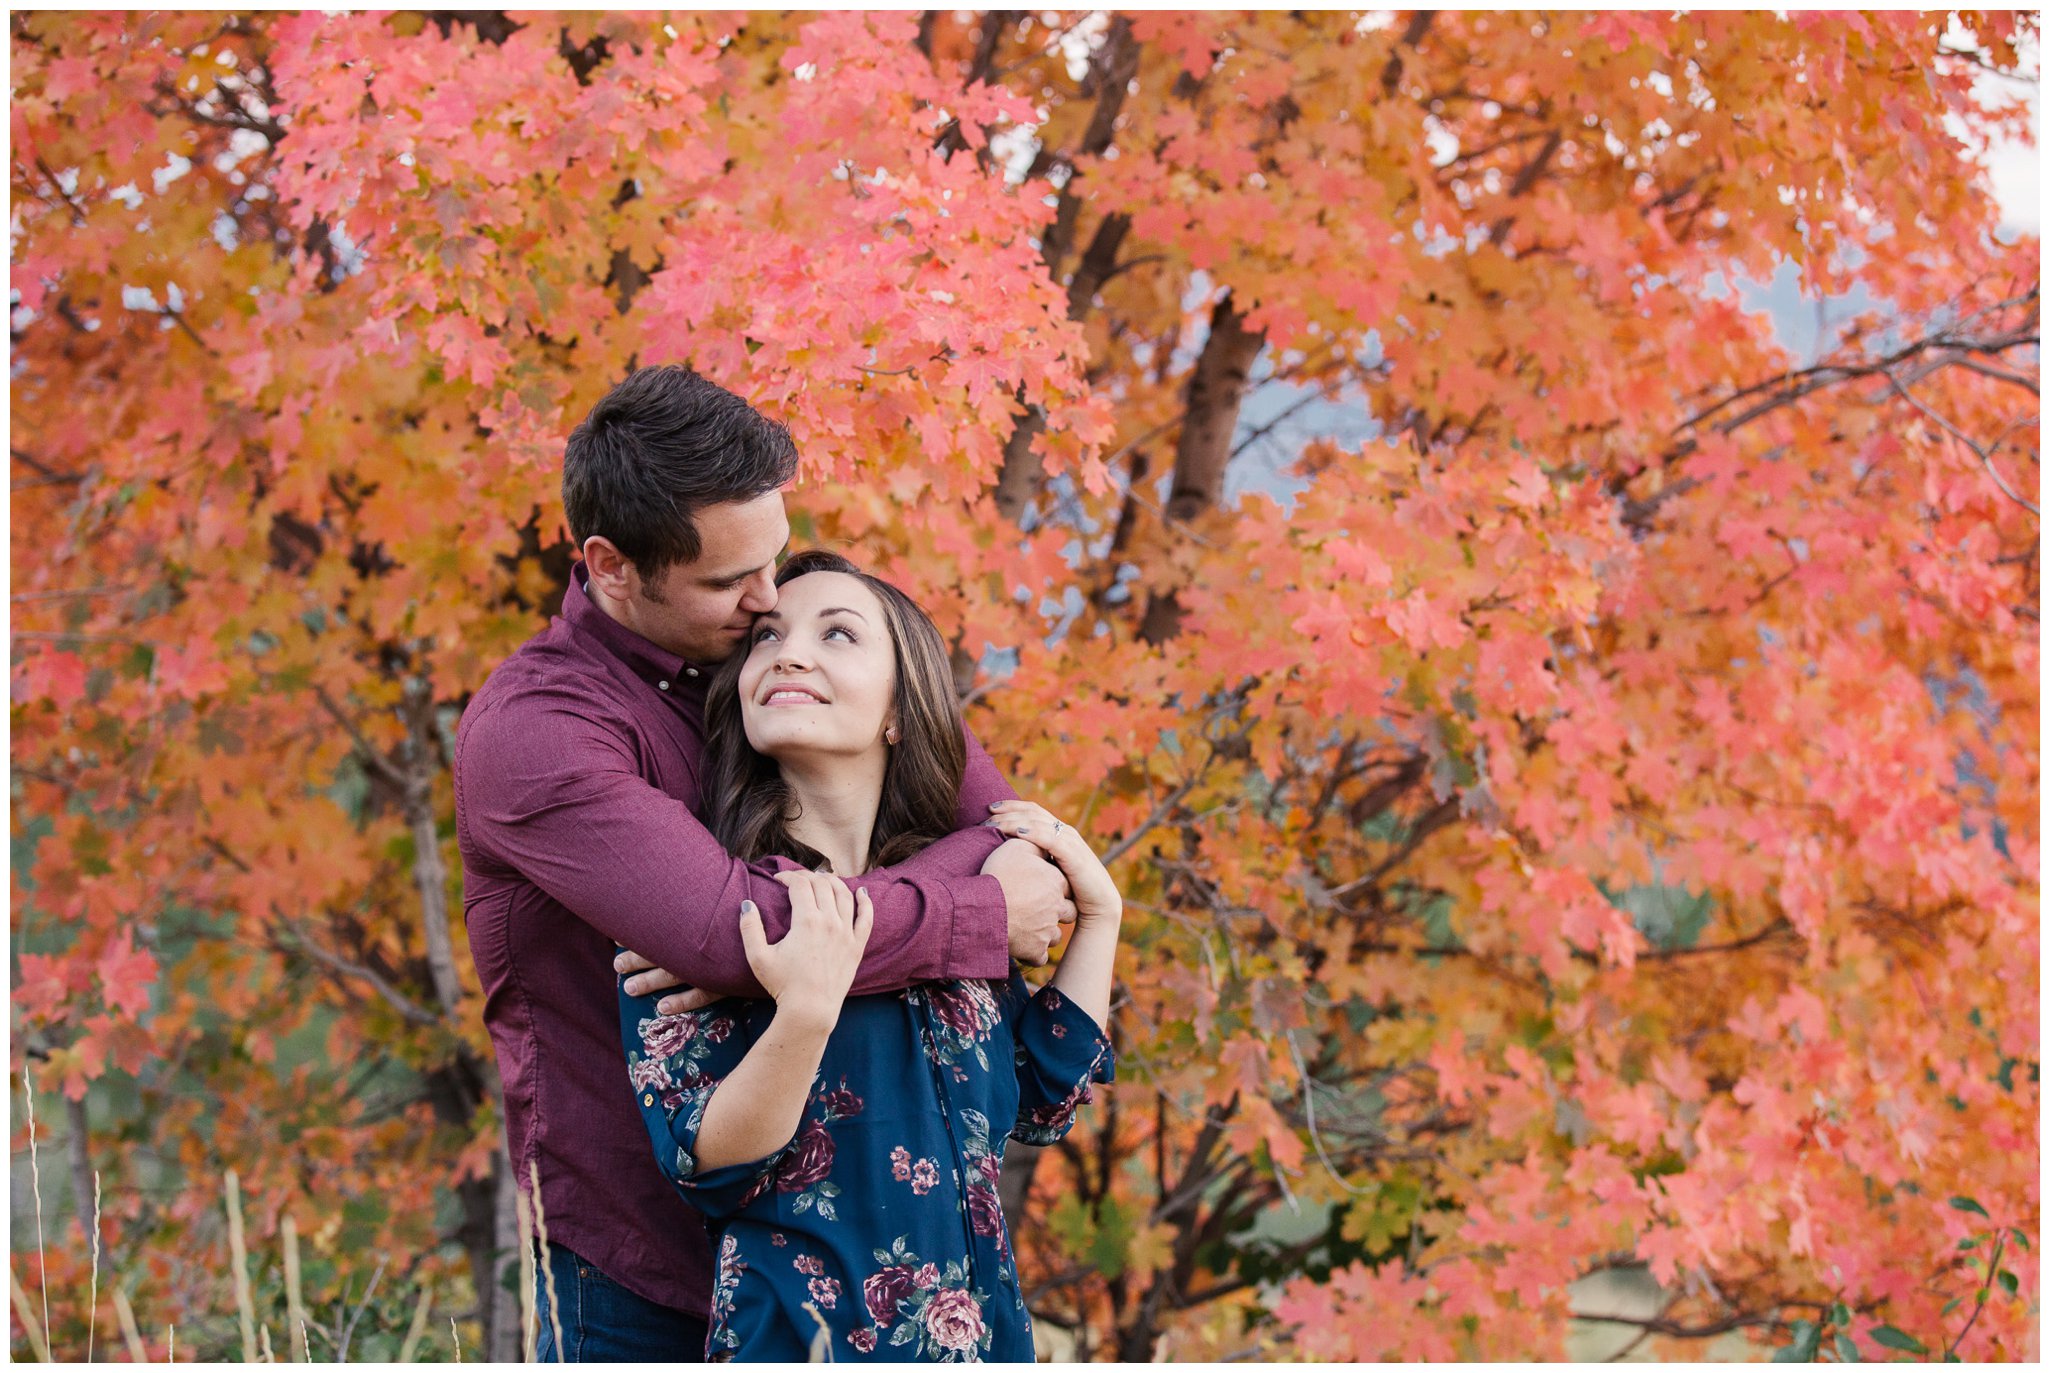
x: 790, y: 694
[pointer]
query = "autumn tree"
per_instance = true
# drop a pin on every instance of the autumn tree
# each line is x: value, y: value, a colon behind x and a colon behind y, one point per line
x: 1588, y: 823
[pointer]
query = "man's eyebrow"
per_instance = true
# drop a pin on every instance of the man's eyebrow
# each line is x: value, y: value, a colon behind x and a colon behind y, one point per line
x: 743, y: 576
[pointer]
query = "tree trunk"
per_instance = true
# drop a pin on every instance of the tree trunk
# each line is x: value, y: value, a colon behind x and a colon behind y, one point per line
x: 1114, y: 67
x: 1216, y: 389
x: 421, y: 761
x: 503, y: 1336
x: 76, y: 1145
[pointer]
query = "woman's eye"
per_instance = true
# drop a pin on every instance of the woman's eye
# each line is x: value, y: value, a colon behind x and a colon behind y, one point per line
x: 848, y: 634
x: 762, y: 634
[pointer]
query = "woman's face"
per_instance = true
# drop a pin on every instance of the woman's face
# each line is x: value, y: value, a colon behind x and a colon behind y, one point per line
x: 820, y: 673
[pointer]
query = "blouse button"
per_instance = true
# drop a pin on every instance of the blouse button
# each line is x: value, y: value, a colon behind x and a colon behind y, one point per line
x: 648, y: 1100
x: 662, y: 686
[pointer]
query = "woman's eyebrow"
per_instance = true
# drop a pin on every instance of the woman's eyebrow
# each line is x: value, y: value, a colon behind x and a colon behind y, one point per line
x: 841, y: 610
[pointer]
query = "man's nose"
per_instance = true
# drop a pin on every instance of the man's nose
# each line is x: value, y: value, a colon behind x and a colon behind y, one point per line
x: 760, y: 596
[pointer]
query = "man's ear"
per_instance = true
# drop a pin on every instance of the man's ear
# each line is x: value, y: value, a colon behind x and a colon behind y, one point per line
x: 610, y: 570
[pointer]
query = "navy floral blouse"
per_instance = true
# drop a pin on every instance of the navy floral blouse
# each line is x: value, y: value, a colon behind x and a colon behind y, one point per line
x: 878, y: 1223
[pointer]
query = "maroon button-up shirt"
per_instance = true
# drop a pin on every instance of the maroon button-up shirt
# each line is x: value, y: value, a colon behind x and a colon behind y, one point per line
x: 576, y: 776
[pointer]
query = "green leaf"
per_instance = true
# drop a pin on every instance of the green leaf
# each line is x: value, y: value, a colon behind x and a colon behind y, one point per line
x: 2020, y: 1238
x: 1967, y: 1204
x: 1897, y: 1339
x: 1807, y: 1339
x: 1839, y: 1315
x: 2010, y: 1282
x: 1968, y: 1242
x: 1953, y: 1304
x: 1847, y: 1349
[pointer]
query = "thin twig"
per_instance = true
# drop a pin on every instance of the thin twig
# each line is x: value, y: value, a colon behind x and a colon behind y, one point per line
x: 1985, y: 458
x: 342, y: 1346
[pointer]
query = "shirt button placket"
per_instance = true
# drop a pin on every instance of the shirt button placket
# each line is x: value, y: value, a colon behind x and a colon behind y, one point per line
x: 939, y: 1082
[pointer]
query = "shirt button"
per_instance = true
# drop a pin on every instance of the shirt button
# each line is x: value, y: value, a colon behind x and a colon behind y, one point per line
x: 648, y: 1100
x: 662, y: 686
x: 690, y: 672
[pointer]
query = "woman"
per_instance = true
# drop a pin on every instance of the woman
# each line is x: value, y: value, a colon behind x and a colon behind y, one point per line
x: 845, y: 1150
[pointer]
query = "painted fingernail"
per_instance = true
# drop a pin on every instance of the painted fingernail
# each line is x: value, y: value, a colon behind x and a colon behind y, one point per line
x: 747, y: 908
x: 1024, y: 829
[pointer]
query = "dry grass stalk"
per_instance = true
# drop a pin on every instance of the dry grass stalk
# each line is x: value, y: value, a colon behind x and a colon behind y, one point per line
x: 529, y: 1324
x: 457, y: 1336
x: 27, y: 1311
x: 35, y: 1172
x: 419, y: 1325
x: 547, y: 1268
x: 131, y: 1333
x: 171, y: 1343
x: 295, y: 1305
x: 92, y: 1320
x: 263, y: 1338
x: 238, y: 1253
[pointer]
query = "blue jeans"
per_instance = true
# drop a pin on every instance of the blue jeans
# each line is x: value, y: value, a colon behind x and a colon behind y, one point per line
x: 602, y: 1322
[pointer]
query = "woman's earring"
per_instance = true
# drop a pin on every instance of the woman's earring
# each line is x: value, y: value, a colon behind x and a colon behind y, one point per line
x: 890, y: 735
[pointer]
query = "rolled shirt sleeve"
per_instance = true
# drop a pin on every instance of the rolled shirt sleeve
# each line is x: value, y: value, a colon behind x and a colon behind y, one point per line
x: 1061, y: 1053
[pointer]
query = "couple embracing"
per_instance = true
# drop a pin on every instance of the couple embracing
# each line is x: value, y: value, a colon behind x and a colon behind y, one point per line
x: 748, y: 905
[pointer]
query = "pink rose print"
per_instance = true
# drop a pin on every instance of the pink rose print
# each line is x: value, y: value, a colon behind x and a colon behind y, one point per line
x: 900, y: 1164
x: 924, y: 1176
x: 779, y: 1239
x: 650, y: 1072
x: 809, y: 1265
x: 954, y: 1321
x: 864, y: 1340
x: 882, y: 1291
x: 719, y: 1029
x: 825, y: 1291
x: 668, y: 1034
x: 928, y: 1275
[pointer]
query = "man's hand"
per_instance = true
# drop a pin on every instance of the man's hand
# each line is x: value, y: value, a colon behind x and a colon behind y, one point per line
x: 649, y: 978
x: 1036, y: 900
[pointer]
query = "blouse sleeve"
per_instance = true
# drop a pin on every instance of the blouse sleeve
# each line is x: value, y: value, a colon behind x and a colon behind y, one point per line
x: 675, y: 1062
x: 1061, y: 1052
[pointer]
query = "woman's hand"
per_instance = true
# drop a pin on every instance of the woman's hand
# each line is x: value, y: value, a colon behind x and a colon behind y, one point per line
x: 809, y: 970
x: 1096, y: 896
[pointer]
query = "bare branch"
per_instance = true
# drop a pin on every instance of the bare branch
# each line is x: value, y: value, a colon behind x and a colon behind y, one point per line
x: 1985, y: 458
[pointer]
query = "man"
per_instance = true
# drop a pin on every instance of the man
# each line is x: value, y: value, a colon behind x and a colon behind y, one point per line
x: 576, y: 777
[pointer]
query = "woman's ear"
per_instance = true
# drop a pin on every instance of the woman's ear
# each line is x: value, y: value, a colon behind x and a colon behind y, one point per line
x: 891, y: 734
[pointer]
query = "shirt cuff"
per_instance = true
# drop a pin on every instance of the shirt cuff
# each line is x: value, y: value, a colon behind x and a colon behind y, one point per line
x: 981, y: 943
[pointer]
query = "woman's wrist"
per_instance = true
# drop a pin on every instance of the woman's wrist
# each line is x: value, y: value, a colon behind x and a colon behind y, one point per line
x: 809, y: 1017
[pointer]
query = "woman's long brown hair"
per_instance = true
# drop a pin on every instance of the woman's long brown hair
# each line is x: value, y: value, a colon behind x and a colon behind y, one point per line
x: 748, y: 805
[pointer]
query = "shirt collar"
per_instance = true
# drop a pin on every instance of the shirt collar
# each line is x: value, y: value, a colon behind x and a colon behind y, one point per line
x: 652, y: 663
